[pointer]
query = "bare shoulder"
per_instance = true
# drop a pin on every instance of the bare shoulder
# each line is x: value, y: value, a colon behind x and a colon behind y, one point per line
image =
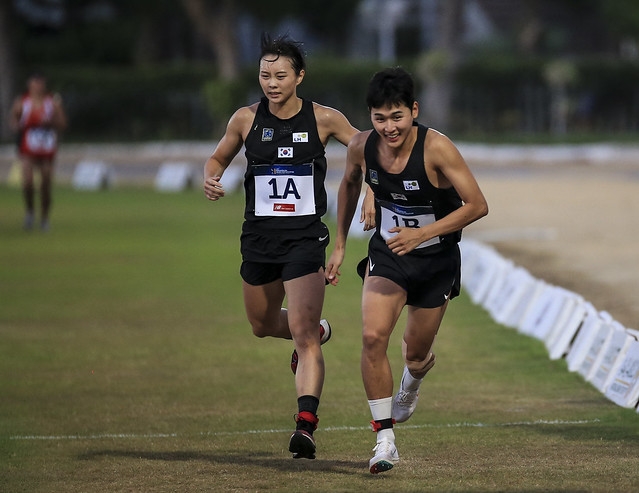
x: 241, y: 121
x: 359, y: 140
x: 355, y: 151
x: 436, y: 140
x: 244, y: 115
x: 324, y: 114
x: 439, y: 149
x: 332, y: 123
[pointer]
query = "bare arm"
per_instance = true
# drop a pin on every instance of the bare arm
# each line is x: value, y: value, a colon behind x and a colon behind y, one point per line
x: 15, y: 114
x: 446, y: 168
x: 227, y: 148
x: 367, y: 215
x: 347, y: 198
x: 59, y: 119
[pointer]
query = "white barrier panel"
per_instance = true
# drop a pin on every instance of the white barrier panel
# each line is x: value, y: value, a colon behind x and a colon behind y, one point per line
x: 623, y: 388
x: 605, y: 363
x: 632, y: 336
x: 607, y: 353
x: 540, y: 318
x: 535, y: 311
x: 471, y: 265
x: 566, y: 326
x: 92, y: 175
x: 485, y: 269
x: 531, y: 291
x: 471, y: 252
x: 174, y: 177
x: 515, y: 285
x: 469, y: 258
x: 585, y: 336
x: 594, y: 350
x: 494, y: 294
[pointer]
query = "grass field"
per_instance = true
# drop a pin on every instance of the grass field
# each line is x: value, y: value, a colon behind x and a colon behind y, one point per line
x: 126, y: 364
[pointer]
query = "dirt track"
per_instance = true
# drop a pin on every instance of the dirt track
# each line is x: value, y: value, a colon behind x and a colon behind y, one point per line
x: 575, y: 226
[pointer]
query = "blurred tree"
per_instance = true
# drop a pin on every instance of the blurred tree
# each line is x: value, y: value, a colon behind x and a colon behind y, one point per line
x: 7, y: 66
x: 216, y: 22
x: 622, y: 17
x: 436, y: 68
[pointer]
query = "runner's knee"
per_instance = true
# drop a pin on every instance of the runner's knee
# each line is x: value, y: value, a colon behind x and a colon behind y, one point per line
x: 372, y: 341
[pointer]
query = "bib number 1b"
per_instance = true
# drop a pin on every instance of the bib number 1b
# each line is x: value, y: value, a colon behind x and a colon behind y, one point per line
x: 395, y: 216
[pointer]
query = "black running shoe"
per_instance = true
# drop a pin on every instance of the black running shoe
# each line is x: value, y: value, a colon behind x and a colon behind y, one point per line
x: 302, y: 445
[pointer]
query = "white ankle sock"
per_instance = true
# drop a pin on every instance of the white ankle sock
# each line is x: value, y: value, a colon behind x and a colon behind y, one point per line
x: 409, y: 382
x: 381, y: 408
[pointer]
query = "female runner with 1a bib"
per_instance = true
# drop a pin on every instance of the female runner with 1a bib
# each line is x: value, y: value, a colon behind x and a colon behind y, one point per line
x: 283, y: 241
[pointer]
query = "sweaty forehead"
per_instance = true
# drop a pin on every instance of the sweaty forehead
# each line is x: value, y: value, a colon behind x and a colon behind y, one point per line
x: 273, y: 61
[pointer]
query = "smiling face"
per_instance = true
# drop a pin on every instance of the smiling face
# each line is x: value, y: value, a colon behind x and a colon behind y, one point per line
x: 278, y: 78
x: 394, y: 123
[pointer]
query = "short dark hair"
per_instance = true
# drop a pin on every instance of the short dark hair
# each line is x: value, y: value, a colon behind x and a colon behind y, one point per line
x: 283, y: 46
x: 390, y: 87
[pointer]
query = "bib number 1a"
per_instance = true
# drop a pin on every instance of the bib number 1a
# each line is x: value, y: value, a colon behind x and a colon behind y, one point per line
x: 284, y: 190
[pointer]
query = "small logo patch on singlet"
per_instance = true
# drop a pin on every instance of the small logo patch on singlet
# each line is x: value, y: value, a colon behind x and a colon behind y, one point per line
x: 398, y: 196
x: 283, y: 207
x: 411, y: 185
x: 267, y: 134
x: 300, y: 137
x: 373, y: 175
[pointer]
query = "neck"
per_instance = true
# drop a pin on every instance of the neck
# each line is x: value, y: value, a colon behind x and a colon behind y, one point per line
x: 287, y: 109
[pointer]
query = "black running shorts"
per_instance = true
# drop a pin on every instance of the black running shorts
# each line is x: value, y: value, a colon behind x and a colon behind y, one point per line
x: 258, y: 273
x: 286, y: 255
x: 429, y: 280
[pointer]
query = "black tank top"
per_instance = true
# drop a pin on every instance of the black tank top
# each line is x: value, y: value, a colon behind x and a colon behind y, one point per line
x: 409, y: 198
x: 292, y: 143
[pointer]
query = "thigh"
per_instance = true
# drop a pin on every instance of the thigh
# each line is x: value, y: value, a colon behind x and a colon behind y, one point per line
x: 263, y: 302
x: 382, y: 304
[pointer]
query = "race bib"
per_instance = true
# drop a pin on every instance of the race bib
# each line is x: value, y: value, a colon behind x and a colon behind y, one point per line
x: 284, y: 190
x: 398, y: 216
x: 40, y: 140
